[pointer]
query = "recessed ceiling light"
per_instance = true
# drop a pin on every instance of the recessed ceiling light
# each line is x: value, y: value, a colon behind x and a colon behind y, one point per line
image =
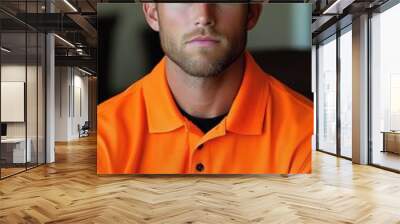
x: 5, y: 50
x: 70, y: 5
x: 65, y: 41
x: 337, y: 7
x: 84, y: 71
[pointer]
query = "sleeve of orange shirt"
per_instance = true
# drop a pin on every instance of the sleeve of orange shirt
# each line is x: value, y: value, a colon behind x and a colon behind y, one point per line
x: 302, y: 158
x: 110, y: 154
x: 103, y: 158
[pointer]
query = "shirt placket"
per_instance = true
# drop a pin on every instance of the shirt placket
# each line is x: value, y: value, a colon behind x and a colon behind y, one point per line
x: 200, y: 144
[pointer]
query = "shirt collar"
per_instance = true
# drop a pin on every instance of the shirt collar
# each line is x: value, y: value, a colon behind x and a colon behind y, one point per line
x: 162, y: 113
x: 246, y: 115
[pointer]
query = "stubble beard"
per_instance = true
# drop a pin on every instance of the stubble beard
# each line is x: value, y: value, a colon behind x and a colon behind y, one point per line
x: 197, y: 66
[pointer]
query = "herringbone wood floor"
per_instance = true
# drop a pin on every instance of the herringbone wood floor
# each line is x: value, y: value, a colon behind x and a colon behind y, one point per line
x: 69, y: 191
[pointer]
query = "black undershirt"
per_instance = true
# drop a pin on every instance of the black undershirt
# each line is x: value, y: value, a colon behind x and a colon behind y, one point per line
x: 205, y: 124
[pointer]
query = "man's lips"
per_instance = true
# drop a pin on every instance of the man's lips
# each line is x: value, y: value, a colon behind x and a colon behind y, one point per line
x: 203, y: 40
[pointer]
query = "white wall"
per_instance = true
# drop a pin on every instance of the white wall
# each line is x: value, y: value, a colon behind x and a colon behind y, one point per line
x: 14, y: 73
x: 71, y: 93
x: 61, y: 103
x: 80, y: 84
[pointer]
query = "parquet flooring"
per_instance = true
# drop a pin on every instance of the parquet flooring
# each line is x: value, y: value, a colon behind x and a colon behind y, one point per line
x: 10, y: 171
x: 69, y: 191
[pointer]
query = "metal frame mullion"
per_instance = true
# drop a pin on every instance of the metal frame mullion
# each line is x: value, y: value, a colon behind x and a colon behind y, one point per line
x: 317, y: 97
x: 0, y: 97
x: 338, y: 95
x: 26, y: 87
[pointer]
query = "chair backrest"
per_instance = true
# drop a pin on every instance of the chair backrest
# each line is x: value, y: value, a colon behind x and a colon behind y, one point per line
x: 86, y: 124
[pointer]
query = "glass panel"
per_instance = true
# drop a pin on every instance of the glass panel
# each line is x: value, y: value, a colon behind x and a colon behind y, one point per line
x: 327, y: 96
x: 31, y: 100
x: 32, y: 87
x: 41, y: 98
x: 13, y: 90
x: 23, y: 89
x: 385, y: 84
x: 346, y: 94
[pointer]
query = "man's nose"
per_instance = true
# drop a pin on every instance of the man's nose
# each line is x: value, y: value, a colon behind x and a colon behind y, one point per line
x: 204, y: 14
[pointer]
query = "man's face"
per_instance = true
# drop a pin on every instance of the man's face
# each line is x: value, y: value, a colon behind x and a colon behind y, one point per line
x: 203, y: 39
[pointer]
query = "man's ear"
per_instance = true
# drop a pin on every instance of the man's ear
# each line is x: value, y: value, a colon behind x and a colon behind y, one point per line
x: 151, y: 15
x: 255, y: 10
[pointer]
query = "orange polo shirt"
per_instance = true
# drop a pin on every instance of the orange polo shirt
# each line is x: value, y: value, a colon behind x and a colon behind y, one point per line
x: 267, y: 130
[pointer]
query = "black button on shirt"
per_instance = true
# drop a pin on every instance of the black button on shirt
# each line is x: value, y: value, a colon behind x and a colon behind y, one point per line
x: 199, y: 167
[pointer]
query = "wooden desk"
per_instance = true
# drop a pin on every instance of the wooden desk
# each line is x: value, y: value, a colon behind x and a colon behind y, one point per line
x: 13, y: 150
x: 391, y: 141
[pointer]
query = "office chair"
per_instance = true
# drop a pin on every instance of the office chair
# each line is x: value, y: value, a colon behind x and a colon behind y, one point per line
x: 84, y: 130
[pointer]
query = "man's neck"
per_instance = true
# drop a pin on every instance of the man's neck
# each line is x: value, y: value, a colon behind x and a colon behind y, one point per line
x: 205, y: 97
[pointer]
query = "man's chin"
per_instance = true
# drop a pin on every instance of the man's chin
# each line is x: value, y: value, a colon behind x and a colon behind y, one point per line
x: 203, y: 58
x: 199, y: 52
x: 203, y: 69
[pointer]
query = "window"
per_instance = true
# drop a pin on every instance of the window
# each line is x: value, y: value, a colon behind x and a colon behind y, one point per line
x: 327, y: 95
x: 346, y: 93
x: 385, y: 88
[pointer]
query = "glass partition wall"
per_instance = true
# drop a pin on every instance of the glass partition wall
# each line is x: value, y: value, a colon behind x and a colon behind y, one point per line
x: 345, y: 93
x: 326, y: 61
x: 22, y: 88
x: 334, y: 92
x: 385, y: 89
x: 334, y: 86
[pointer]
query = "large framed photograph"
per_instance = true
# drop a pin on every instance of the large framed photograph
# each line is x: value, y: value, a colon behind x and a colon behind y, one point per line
x: 204, y: 88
